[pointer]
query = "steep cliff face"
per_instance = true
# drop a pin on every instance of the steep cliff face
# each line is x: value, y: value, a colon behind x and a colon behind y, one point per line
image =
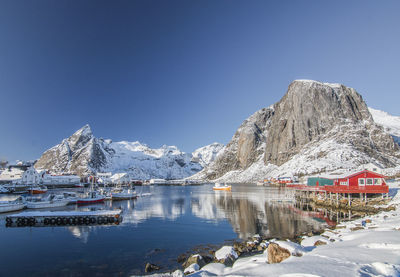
x: 316, y: 127
x: 246, y: 146
x: 82, y: 154
x: 308, y: 110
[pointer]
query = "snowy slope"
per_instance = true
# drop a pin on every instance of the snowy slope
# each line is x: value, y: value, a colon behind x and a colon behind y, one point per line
x: 390, y: 123
x: 207, y: 154
x: 83, y: 153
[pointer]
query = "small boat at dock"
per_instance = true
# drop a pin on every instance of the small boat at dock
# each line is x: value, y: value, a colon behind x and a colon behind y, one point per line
x: 124, y: 194
x: 92, y: 198
x: 52, y: 201
x: 11, y: 206
x: 219, y: 186
x: 37, y: 189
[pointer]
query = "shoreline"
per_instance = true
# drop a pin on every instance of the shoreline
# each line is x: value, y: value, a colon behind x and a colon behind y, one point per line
x: 366, y: 246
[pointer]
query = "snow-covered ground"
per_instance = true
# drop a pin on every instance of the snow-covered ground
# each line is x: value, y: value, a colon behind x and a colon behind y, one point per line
x: 350, y: 250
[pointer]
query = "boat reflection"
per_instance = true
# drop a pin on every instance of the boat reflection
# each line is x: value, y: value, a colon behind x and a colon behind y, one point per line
x: 249, y: 212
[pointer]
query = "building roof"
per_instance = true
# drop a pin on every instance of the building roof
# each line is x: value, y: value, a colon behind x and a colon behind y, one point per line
x: 363, y: 171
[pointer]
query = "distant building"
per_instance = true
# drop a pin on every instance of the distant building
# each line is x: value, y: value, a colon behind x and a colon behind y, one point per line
x: 13, y: 174
x: 120, y: 178
x: 373, y: 167
x: 104, y: 177
x: 31, y: 177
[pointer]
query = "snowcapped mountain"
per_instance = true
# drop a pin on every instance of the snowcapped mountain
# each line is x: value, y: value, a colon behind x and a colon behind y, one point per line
x: 390, y: 123
x: 207, y: 154
x: 82, y: 153
x: 316, y: 128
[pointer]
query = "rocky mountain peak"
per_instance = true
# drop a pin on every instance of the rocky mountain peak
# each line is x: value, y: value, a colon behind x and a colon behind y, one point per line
x: 80, y: 137
x: 308, y: 110
x: 315, y: 128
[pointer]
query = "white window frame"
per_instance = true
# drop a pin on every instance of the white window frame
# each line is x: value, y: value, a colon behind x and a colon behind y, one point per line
x: 369, y: 179
x: 379, y: 183
x: 359, y: 183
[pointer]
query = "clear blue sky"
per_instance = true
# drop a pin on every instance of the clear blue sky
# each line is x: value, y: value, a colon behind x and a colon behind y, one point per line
x: 184, y: 73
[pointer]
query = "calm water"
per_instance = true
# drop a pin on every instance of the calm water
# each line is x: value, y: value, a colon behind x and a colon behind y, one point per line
x: 155, y: 228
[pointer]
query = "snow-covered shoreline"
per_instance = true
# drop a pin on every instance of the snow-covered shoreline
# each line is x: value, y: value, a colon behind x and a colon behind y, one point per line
x: 353, y: 248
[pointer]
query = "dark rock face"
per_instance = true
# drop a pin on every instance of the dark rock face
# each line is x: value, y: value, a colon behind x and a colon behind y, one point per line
x: 309, y: 115
x: 245, y: 147
x: 308, y: 110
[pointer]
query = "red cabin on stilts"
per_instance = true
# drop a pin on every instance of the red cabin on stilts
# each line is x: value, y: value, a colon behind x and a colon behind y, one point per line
x: 362, y: 182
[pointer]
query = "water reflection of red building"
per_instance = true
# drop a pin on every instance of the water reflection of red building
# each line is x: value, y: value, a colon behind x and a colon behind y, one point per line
x: 317, y: 215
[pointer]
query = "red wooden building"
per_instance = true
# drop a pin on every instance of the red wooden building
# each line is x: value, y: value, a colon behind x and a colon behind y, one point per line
x: 361, y: 182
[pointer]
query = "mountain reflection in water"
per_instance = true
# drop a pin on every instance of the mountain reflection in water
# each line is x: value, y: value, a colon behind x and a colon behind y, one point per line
x: 156, y: 228
x: 247, y: 210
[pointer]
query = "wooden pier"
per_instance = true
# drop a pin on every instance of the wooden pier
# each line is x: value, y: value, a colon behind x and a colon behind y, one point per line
x: 64, y: 218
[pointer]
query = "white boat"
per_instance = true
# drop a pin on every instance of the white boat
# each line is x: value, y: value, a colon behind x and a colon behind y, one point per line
x: 123, y: 194
x: 92, y: 198
x: 219, y: 186
x: 106, y: 192
x: 51, y: 201
x: 4, y: 190
x: 11, y: 206
x: 71, y: 197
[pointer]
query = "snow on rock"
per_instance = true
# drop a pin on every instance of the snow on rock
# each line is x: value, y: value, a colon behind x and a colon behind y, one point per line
x: 191, y: 269
x: 207, y: 154
x: 176, y: 273
x: 310, y: 241
x: 390, y: 123
x: 226, y: 252
x: 294, y: 248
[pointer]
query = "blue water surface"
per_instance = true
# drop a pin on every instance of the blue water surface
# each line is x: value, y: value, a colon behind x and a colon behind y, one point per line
x: 166, y: 222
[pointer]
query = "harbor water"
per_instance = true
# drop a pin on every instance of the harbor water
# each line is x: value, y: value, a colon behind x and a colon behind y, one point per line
x: 157, y: 227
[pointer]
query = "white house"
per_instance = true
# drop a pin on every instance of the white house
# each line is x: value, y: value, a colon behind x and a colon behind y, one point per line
x: 120, y: 178
x: 12, y: 174
x: 104, y: 177
x: 31, y: 177
x: 373, y: 167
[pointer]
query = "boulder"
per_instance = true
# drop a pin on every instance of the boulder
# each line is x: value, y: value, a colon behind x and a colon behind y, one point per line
x: 277, y: 254
x: 226, y: 255
x: 191, y: 269
x: 194, y: 259
x: 151, y: 267
x: 319, y: 242
x: 257, y: 238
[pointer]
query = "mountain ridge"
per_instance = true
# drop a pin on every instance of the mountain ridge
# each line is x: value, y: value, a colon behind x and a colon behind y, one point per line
x: 82, y: 153
x: 315, y: 128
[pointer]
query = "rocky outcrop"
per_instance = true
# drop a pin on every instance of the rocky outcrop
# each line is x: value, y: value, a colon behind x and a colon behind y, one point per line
x: 207, y: 154
x: 315, y: 128
x: 81, y: 153
x: 307, y: 111
x: 245, y: 147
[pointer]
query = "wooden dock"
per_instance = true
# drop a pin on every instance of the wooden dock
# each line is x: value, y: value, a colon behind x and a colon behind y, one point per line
x: 64, y: 218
